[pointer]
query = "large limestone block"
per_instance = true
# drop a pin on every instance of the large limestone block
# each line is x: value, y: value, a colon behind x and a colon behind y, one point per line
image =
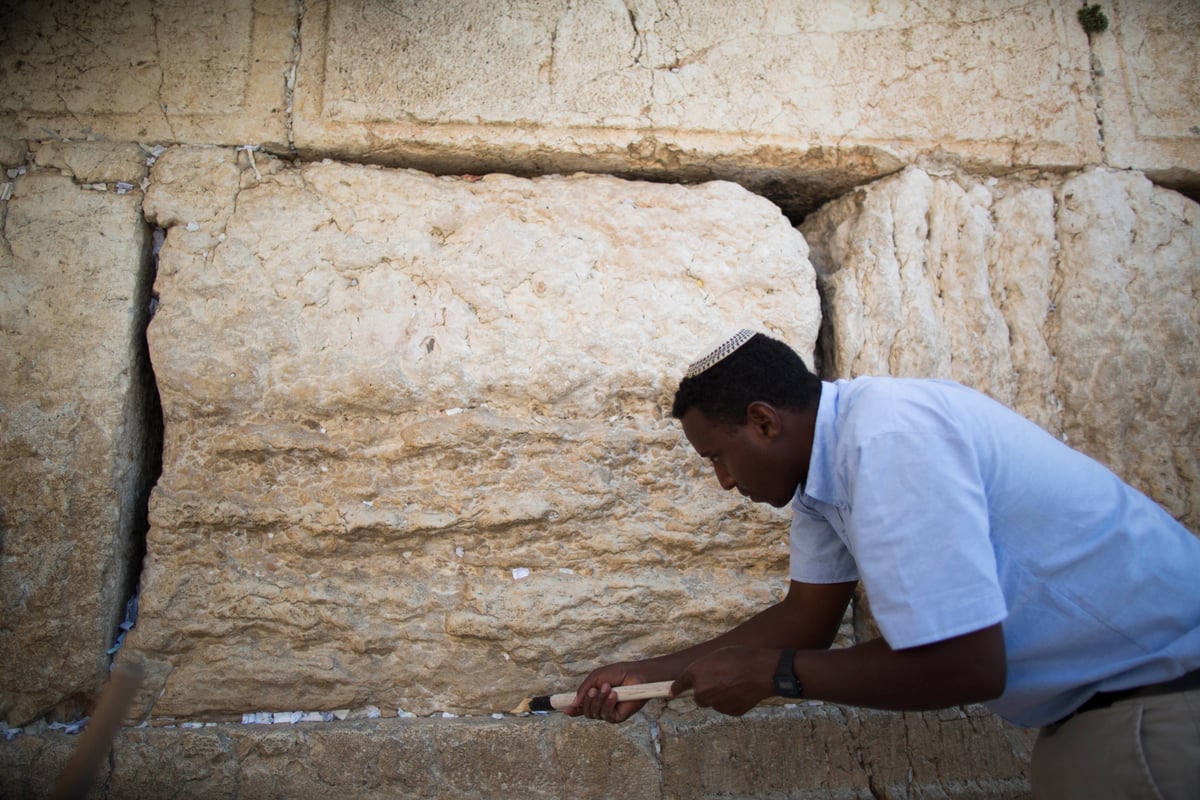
x: 1148, y: 80
x: 149, y: 71
x: 431, y: 759
x: 800, y: 752
x: 835, y: 751
x: 1074, y: 300
x: 796, y: 99
x: 31, y: 763
x: 76, y: 437
x: 119, y: 164
x: 418, y: 448
x: 1126, y: 332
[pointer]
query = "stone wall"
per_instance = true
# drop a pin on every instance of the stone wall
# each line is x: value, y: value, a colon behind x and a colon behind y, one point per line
x: 414, y: 424
x: 1039, y: 292
x: 810, y: 754
x: 75, y: 439
x: 418, y: 312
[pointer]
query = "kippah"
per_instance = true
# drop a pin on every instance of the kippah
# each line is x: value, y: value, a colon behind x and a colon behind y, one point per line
x: 723, y: 351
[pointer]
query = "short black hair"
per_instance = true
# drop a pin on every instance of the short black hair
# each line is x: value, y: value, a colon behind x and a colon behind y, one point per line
x: 763, y: 369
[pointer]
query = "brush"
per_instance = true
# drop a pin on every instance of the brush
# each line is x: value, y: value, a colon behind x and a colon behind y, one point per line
x: 634, y: 691
x: 76, y: 779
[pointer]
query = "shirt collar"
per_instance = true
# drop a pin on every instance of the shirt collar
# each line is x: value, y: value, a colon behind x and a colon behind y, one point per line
x: 820, y: 484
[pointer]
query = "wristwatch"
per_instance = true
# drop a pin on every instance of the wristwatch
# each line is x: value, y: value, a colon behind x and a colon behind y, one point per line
x: 786, y: 682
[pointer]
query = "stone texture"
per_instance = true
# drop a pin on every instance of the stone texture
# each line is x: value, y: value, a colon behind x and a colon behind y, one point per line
x: 279, y: 585
x: 385, y: 392
x: 96, y: 162
x: 148, y: 71
x: 74, y: 435
x: 829, y: 96
x: 1126, y: 332
x: 1047, y: 293
x: 31, y: 763
x: 799, y: 753
x: 798, y: 100
x: 1148, y: 83
x: 12, y: 152
x: 833, y: 751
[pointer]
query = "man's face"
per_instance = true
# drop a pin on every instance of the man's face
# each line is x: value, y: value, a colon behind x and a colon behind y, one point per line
x: 745, y: 457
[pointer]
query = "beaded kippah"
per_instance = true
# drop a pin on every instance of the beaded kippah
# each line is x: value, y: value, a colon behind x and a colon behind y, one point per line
x: 723, y: 351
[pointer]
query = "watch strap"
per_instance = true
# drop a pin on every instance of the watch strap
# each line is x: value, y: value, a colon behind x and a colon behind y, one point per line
x: 786, y: 682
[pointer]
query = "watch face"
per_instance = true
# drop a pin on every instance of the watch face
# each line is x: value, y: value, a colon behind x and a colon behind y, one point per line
x: 786, y: 682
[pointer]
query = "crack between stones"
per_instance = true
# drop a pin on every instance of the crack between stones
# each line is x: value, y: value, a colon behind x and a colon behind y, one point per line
x: 289, y: 87
x: 656, y: 743
x: 162, y: 75
x: 637, y: 47
x: 143, y: 413
x: 551, y: 66
x: 1095, y: 74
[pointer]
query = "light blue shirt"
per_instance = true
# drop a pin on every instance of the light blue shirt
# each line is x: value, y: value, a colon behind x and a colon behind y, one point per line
x: 957, y: 513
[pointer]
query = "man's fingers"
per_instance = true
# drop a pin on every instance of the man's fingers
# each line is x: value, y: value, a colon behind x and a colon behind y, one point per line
x: 602, y: 701
x: 682, y: 684
x: 597, y: 701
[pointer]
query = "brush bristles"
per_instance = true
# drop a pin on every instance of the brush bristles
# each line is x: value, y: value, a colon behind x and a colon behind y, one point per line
x: 541, y: 703
x: 530, y: 704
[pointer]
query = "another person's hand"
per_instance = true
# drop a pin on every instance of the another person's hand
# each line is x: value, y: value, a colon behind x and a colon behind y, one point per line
x: 596, y: 700
x: 731, y: 680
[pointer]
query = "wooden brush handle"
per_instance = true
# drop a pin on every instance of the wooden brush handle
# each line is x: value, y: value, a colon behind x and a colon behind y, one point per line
x: 96, y: 739
x: 634, y: 691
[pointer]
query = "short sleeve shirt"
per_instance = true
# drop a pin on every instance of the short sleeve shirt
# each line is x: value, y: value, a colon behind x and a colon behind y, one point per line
x: 957, y: 513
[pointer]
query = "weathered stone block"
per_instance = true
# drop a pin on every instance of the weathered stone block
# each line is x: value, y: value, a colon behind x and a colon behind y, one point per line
x: 800, y: 101
x: 835, y: 751
x: 418, y: 449
x: 671, y: 754
x: 12, y: 152
x: 76, y: 435
x: 1073, y: 300
x: 96, y: 162
x: 30, y: 764
x: 145, y: 71
x: 177, y: 763
x: 1126, y: 332
x: 1148, y: 80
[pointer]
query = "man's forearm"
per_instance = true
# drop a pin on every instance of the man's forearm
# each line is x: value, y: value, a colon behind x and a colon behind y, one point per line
x: 796, y: 621
x: 966, y: 669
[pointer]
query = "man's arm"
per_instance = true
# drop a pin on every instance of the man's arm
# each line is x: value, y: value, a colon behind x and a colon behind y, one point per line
x: 807, y: 618
x: 964, y: 669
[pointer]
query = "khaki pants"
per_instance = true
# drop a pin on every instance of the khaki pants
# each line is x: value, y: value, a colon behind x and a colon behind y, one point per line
x: 1142, y: 747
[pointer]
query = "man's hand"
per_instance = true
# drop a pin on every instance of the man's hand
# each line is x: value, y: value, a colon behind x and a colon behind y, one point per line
x: 807, y: 618
x: 595, y: 698
x: 731, y: 680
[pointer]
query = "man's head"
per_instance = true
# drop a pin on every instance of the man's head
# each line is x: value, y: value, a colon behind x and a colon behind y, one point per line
x: 748, y: 407
x: 747, y: 367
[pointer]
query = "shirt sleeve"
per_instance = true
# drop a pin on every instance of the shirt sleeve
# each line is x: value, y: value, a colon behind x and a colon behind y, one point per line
x: 817, y: 554
x: 918, y: 529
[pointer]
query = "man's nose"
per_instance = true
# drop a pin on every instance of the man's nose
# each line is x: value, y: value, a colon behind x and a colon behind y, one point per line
x: 724, y: 478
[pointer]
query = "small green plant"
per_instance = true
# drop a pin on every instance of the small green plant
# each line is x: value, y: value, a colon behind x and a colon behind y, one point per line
x: 1092, y: 19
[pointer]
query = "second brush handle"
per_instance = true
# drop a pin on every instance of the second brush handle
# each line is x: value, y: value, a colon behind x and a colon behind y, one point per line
x: 634, y: 691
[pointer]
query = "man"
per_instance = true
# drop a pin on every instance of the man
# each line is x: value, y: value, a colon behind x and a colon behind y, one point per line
x: 1002, y: 567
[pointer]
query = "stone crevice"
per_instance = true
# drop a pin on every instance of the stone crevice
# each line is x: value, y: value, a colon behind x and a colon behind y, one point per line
x: 167, y: 116
x: 289, y: 112
x: 1095, y: 77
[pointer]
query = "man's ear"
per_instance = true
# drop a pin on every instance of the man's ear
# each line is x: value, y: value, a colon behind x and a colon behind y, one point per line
x: 763, y: 418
